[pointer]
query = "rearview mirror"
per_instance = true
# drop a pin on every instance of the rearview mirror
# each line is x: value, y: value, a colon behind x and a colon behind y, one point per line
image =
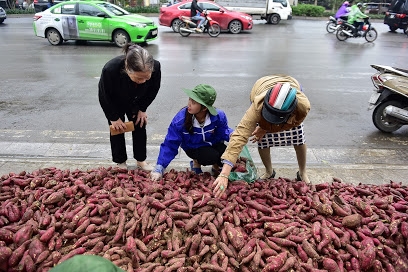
x: 101, y: 14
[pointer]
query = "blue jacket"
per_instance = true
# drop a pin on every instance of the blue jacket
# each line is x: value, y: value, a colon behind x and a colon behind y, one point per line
x: 215, y: 130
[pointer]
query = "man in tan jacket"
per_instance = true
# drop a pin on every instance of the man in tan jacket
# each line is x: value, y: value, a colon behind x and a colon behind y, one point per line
x: 265, y: 122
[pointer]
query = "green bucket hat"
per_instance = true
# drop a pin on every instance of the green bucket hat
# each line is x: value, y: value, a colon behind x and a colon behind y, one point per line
x: 205, y: 95
x: 86, y: 263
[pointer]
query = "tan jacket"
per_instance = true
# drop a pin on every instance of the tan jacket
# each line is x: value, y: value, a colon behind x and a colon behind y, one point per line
x: 253, y: 116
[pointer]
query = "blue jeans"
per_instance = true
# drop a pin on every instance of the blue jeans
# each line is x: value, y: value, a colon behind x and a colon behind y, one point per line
x: 198, y: 17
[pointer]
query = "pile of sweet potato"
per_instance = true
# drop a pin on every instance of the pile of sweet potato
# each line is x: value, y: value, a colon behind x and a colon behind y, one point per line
x: 50, y: 215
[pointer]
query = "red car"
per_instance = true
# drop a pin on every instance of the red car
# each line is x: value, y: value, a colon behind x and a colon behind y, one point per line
x: 233, y: 21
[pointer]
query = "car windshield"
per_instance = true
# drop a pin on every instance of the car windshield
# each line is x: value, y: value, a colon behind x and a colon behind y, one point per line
x: 113, y: 9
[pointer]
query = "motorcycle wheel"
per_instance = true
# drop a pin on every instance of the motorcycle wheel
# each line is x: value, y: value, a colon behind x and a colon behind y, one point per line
x: 331, y: 27
x: 183, y: 32
x: 340, y: 35
x: 382, y: 122
x: 214, y: 30
x: 371, y: 35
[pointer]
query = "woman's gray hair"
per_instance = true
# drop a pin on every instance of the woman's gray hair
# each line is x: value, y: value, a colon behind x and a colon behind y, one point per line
x: 137, y: 59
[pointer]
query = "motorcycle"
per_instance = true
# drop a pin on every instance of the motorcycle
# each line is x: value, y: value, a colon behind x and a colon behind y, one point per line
x: 333, y: 24
x: 188, y: 26
x: 346, y: 30
x: 390, y: 98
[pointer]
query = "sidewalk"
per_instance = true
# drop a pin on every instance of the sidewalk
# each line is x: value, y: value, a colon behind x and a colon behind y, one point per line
x: 352, y: 165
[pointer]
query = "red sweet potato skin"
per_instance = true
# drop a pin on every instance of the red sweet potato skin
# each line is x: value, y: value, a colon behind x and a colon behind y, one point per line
x: 177, y: 224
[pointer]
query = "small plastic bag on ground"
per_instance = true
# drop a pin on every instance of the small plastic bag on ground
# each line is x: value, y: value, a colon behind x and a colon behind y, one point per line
x: 250, y: 175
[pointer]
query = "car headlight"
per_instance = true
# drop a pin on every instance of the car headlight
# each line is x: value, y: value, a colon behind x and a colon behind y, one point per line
x: 249, y: 18
x: 142, y: 25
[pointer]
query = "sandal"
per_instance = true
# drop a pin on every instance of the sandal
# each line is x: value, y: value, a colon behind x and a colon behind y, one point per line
x: 271, y: 176
x: 196, y: 170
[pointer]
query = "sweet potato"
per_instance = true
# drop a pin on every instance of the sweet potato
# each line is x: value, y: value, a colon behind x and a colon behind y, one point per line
x: 247, y: 248
x: 289, y: 264
x: 235, y: 236
x: 330, y: 265
x: 274, y: 263
x: 54, y: 198
x: 192, y: 223
x: 310, y: 250
x: 352, y: 221
x: 5, y: 253
x: 6, y: 235
x: 22, y: 235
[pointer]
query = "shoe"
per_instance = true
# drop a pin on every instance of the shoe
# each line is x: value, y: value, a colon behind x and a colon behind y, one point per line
x: 271, y: 176
x: 298, y: 177
x: 198, y: 30
x: 196, y: 170
x: 122, y: 165
x: 145, y: 166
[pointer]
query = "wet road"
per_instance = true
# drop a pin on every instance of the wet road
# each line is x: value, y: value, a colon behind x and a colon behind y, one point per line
x: 49, y: 94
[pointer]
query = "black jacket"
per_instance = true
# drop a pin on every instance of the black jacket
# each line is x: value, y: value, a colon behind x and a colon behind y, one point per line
x: 119, y: 95
x: 194, y: 8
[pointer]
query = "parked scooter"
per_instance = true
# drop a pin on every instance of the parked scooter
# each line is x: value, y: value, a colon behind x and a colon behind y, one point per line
x: 333, y: 24
x: 346, y: 30
x: 390, y: 98
x: 188, y: 26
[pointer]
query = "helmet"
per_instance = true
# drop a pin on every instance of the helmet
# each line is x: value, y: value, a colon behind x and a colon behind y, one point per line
x: 279, y: 103
x: 346, y: 3
x: 359, y: 4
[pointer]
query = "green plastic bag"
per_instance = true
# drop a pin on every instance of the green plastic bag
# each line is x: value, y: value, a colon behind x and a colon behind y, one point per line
x: 250, y: 175
x: 86, y: 263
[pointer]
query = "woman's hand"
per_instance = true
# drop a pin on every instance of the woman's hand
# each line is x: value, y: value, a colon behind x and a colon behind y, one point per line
x: 141, y: 118
x: 155, y: 176
x: 258, y: 134
x: 118, y: 125
x: 221, y: 184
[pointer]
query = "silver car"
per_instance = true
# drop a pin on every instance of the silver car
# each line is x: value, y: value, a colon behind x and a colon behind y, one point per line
x: 3, y: 15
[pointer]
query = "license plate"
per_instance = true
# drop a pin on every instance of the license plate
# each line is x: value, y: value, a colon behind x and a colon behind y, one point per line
x: 392, y: 16
x: 154, y: 32
x: 374, y: 97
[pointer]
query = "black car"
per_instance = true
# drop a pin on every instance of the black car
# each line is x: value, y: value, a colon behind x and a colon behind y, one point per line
x: 397, y: 15
x: 41, y: 5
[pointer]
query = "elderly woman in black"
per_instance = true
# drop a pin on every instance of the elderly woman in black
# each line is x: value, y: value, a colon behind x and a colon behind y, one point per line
x: 128, y: 85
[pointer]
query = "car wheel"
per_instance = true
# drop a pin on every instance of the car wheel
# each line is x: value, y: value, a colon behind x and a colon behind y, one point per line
x: 121, y: 38
x: 54, y: 37
x: 274, y: 19
x: 393, y: 28
x: 235, y: 27
x: 1, y: 21
x: 175, y: 25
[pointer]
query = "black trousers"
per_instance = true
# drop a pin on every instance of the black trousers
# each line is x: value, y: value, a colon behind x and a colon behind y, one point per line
x: 139, y: 141
x: 207, y: 155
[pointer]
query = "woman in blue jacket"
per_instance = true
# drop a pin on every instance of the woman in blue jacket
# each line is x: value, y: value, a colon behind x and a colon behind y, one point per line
x: 199, y: 129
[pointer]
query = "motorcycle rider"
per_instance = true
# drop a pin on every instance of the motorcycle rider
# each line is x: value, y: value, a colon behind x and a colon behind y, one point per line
x: 196, y: 11
x: 343, y: 10
x: 356, y: 18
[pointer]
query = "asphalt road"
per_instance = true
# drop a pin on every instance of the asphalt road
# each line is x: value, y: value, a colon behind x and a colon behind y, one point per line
x: 48, y: 94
